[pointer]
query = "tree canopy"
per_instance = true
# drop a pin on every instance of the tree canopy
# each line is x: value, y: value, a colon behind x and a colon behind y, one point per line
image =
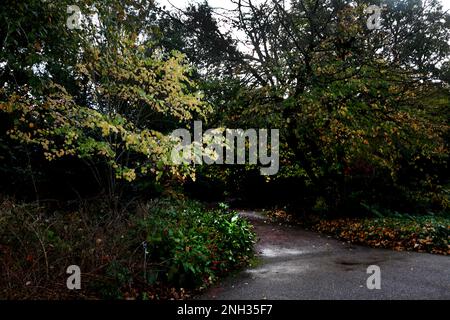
x: 363, y: 112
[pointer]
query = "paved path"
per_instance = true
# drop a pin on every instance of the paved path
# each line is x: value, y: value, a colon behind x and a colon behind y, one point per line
x: 299, y: 264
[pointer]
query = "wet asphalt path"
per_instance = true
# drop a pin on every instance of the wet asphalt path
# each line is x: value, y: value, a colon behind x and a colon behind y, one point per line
x: 299, y: 264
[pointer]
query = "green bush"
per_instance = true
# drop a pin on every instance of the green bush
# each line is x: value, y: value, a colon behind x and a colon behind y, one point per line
x: 193, y: 246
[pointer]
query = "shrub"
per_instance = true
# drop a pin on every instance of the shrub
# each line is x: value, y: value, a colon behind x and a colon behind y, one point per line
x: 186, y: 245
x: 192, y: 246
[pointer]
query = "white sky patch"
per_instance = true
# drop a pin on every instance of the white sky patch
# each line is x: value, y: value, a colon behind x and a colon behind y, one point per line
x: 446, y: 4
x: 221, y: 6
x: 181, y: 4
x: 227, y: 4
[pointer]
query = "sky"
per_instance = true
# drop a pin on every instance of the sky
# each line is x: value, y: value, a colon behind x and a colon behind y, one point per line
x: 227, y: 3
x: 213, y: 3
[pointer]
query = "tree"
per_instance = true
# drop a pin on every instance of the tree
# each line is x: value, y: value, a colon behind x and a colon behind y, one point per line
x: 103, y: 93
x: 350, y: 101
